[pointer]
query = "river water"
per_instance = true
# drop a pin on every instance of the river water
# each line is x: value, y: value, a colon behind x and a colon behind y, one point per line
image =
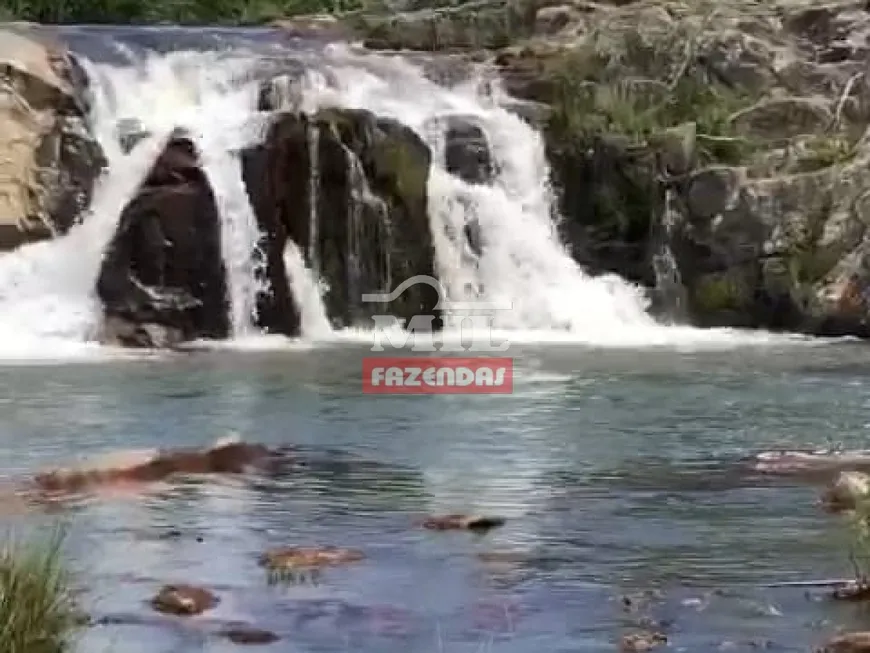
x: 615, y: 469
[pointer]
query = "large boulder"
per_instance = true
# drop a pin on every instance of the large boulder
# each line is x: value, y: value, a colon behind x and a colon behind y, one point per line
x: 50, y: 162
x: 349, y: 188
x: 162, y: 279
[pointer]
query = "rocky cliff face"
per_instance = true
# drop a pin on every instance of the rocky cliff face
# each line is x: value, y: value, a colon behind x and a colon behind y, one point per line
x: 50, y: 161
x: 162, y: 280
x: 715, y: 152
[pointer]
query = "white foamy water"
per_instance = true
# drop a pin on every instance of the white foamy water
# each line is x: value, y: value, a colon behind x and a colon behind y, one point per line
x: 306, y: 293
x: 48, y: 305
x: 524, y: 267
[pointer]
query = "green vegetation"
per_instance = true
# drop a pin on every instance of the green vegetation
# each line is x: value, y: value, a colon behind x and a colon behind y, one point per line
x: 715, y: 293
x: 37, y: 611
x: 232, y: 12
x: 633, y: 93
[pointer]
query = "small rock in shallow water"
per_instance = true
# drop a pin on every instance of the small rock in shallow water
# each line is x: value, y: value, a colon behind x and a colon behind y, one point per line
x: 248, y: 635
x: 289, y: 558
x: 457, y: 522
x: 848, y: 643
x: 641, y: 642
x: 184, y: 600
x: 852, y: 592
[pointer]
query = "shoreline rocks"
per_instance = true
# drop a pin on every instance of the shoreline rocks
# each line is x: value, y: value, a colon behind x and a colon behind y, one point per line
x: 50, y: 160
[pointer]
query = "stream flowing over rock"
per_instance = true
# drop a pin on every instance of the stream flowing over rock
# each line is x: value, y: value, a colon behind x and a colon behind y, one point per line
x: 358, y: 211
x: 714, y: 152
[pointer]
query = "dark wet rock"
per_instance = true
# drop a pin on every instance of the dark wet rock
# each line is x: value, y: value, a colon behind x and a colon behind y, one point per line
x: 162, y: 281
x: 184, y: 600
x: 466, y: 149
x: 858, y: 642
x: 291, y: 558
x: 248, y: 635
x: 459, y: 522
x: 349, y: 189
x: 642, y: 641
x: 50, y: 159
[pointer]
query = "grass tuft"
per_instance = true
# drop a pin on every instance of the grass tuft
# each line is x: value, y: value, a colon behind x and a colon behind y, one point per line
x: 37, y: 607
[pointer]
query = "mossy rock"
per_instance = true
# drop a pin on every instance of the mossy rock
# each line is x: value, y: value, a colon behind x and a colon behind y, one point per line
x: 719, y: 292
x: 396, y: 160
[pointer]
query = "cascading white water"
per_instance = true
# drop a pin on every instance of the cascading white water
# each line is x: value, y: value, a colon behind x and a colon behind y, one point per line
x: 524, y: 268
x: 306, y: 294
x: 47, y: 297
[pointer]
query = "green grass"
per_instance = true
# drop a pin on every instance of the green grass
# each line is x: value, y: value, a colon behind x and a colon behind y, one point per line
x: 196, y: 12
x: 37, y: 607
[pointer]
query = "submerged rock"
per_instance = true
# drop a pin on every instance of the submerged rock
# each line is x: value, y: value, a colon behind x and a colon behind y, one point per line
x: 149, y: 466
x: 458, y: 522
x: 184, y: 600
x: 349, y: 189
x: 248, y: 635
x: 293, y: 558
x: 50, y: 160
x: 858, y: 642
x: 162, y: 280
x: 641, y: 642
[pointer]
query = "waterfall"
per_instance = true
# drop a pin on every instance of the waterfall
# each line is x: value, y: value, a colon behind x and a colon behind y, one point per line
x: 47, y: 297
x: 669, y: 283
x: 313, y: 196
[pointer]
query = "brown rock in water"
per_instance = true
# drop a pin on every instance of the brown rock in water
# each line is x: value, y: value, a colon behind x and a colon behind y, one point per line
x: 640, y: 642
x: 292, y: 558
x: 459, y: 522
x: 151, y: 466
x: 844, y: 493
x: 248, y: 635
x: 854, y: 592
x: 162, y: 280
x: 184, y: 600
x: 858, y: 642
